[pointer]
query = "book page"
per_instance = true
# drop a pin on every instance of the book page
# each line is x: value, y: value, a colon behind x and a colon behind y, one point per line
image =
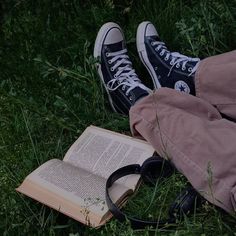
x: 101, y: 152
x: 56, y: 202
x: 75, y: 185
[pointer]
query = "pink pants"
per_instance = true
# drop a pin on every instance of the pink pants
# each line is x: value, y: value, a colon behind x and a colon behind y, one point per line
x: 191, y: 132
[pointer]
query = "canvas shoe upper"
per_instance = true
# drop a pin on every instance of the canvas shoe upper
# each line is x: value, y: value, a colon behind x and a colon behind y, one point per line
x: 167, y: 69
x: 115, y: 69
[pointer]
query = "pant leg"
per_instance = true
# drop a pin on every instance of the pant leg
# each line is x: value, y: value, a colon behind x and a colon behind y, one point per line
x: 192, y: 134
x: 215, y: 82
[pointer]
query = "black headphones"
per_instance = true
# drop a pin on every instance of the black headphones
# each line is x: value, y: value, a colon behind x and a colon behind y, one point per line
x: 152, y: 170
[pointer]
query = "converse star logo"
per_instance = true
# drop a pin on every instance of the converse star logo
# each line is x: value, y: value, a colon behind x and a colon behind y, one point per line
x: 182, y: 86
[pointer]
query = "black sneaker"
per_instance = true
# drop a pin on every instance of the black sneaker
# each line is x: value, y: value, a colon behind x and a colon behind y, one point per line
x: 167, y: 69
x: 115, y: 69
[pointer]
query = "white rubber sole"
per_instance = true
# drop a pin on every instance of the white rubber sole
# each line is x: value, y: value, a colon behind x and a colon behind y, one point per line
x: 97, y: 53
x: 143, y: 53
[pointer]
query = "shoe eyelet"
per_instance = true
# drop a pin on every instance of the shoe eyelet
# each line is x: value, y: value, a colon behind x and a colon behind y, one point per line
x: 112, y: 69
x: 130, y: 98
x: 156, y: 49
x: 166, y: 58
x: 190, y: 69
x: 115, y: 76
x: 183, y: 68
x: 177, y: 65
x: 109, y: 61
x: 161, y: 54
x: 107, y: 54
x: 152, y: 43
x: 171, y: 63
x: 126, y: 94
x: 123, y: 88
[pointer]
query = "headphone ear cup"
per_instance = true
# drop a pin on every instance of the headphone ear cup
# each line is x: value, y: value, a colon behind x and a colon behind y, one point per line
x: 155, y: 168
x: 185, y: 203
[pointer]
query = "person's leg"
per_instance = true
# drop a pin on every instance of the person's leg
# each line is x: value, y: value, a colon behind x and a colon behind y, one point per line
x: 192, y: 134
x: 215, y: 82
x: 212, y: 79
x: 115, y: 69
x: 167, y: 68
x: 184, y: 128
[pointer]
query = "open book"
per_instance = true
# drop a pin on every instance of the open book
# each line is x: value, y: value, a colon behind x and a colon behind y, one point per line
x: 76, y: 185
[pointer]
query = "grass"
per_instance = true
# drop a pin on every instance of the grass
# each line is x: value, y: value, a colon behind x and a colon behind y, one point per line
x: 50, y: 92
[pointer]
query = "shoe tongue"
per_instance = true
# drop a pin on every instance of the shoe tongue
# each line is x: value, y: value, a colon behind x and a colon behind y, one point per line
x: 191, y: 63
x: 155, y: 38
x: 116, y: 46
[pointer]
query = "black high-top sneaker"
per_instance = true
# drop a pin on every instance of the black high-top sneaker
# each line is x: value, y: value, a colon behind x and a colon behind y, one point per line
x: 167, y: 69
x: 115, y: 69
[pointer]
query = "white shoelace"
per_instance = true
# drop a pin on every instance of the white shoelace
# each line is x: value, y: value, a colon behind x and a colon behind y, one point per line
x: 125, y: 75
x: 177, y: 58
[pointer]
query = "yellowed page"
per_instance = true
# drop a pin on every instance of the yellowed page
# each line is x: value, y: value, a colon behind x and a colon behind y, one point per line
x: 61, y: 186
x: 101, y: 152
x: 58, y: 203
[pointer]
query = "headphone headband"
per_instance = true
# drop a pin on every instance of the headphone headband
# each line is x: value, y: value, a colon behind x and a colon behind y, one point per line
x: 116, y: 212
x: 184, y: 204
